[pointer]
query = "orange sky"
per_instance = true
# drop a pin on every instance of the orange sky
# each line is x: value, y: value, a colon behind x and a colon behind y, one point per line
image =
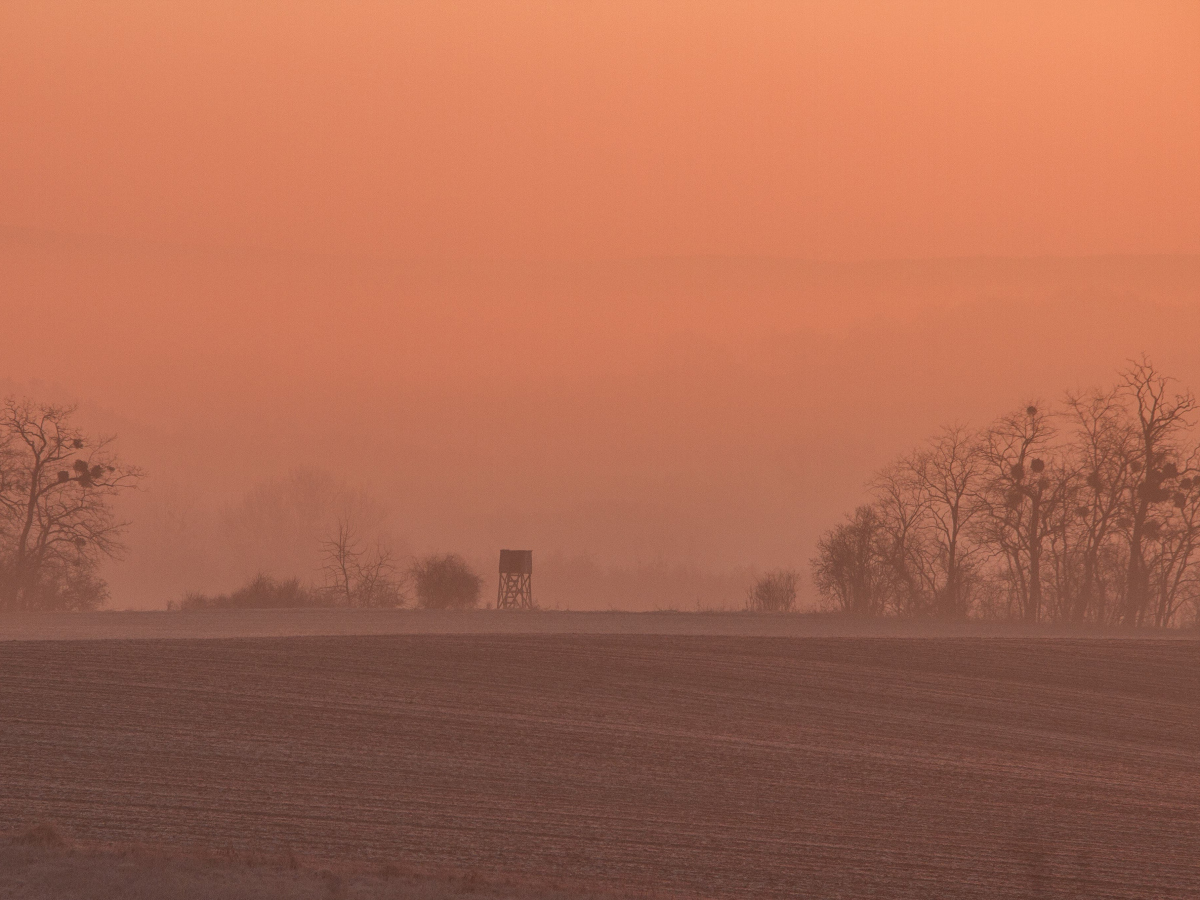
x: 530, y: 130
x: 544, y: 275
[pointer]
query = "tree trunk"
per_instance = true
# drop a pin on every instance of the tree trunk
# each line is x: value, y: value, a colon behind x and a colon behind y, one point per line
x: 1033, y: 611
x: 1137, y: 589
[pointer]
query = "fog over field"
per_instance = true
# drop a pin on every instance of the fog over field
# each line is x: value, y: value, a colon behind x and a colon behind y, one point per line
x: 651, y: 291
x: 540, y: 450
x: 658, y: 430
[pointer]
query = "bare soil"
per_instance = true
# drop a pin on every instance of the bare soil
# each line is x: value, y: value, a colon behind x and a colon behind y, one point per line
x: 233, y: 623
x: 721, y: 766
x: 57, y: 871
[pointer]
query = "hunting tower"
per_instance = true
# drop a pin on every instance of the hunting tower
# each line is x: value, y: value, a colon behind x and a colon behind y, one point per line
x: 516, y: 580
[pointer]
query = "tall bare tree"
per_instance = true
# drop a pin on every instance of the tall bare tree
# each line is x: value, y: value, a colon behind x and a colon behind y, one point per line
x: 1018, y: 498
x: 852, y: 567
x: 901, y: 506
x: 949, y: 474
x: 1102, y: 448
x: 1175, y: 543
x: 1160, y: 417
x: 357, y: 574
x: 57, y: 486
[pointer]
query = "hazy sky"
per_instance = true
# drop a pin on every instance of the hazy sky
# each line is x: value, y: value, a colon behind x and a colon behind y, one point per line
x: 829, y: 130
x: 537, y: 271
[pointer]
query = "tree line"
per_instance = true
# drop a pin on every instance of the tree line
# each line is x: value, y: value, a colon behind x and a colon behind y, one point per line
x: 58, y: 525
x: 1087, y: 512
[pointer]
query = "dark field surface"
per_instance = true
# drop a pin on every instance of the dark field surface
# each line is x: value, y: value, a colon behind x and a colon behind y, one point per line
x: 267, y: 623
x: 721, y: 766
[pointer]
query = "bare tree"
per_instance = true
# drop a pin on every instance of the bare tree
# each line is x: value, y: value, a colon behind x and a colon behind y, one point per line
x: 949, y: 474
x: 56, y: 521
x: 901, y: 507
x: 852, y: 568
x: 924, y: 506
x: 1102, y: 449
x: 1171, y: 539
x: 358, y: 575
x: 1159, y: 418
x: 1018, y: 498
x: 311, y: 523
x: 773, y: 592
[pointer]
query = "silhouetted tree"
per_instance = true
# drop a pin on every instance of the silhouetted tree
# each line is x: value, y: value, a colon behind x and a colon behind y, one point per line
x: 1159, y: 418
x: 900, y: 507
x: 773, y: 592
x: 445, y: 581
x: 950, y: 473
x: 1101, y: 453
x: 1097, y: 521
x: 1018, y: 499
x: 57, y: 486
x: 1173, y: 579
x: 282, y: 524
x: 358, y: 575
x: 852, y: 569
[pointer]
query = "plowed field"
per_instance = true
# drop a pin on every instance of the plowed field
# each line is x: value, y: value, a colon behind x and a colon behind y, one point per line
x: 721, y: 766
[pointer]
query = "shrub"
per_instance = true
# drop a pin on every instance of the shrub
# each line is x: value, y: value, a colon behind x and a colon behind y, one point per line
x: 773, y: 592
x: 74, y: 587
x: 263, y: 592
x: 445, y: 582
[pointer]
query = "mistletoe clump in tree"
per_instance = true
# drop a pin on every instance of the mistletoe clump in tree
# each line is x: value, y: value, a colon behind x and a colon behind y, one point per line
x: 57, y: 487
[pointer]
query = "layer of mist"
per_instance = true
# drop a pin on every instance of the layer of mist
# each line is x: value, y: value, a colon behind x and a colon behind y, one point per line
x: 657, y: 431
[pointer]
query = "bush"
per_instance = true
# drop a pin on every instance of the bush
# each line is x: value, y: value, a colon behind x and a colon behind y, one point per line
x: 445, y: 582
x: 75, y: 588
x: 263, y: 592
x: 773, y: 592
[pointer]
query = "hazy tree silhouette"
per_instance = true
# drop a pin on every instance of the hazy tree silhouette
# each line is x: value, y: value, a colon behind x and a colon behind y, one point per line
x: 905, y: 548
x: 1101, y: 455
x: 1088, y: 513
x: 950, y: 473
x: 356, y: 574
x: 773, y: 592
x: 445, y: 582
x: 851, y: 567
x: 57, y: 486
x: 925, y: 507
x: 261, y: 592
x: 1160, y: 417
x: 284, y: 524
x: 1022, y: 491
